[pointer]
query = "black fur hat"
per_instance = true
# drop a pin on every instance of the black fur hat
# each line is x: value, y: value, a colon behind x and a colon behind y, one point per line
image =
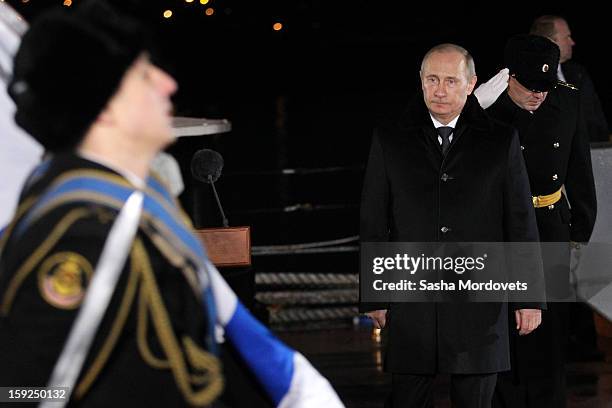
x: 533, y: 60
x: 69, y: 64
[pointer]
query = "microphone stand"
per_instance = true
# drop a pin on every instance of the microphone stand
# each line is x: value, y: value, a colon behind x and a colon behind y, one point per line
x: 212, y: 183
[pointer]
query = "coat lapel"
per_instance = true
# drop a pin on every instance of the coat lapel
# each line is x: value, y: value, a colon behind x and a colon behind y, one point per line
x: 416, y: 123
x: 433, y: 150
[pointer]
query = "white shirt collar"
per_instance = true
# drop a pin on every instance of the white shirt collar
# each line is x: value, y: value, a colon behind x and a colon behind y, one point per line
x: 452, y: 123
x: 560, y: 73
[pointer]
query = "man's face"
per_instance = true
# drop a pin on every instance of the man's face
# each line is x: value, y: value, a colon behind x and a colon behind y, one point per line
x: 445, y: 84
x: 563, y: 38
x: 523, y: 97
x: 141, y: 108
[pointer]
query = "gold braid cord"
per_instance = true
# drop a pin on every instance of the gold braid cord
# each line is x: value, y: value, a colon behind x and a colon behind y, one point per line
x: 116, y: 329
x: 207, y: 366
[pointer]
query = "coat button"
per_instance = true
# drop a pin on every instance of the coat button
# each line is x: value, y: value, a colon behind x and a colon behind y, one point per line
x: 445, y: 230
x: 551, y: 207
x: 445, y: 177
x: 556, y: 144
x: 554, y: 177
x: 522, y: 147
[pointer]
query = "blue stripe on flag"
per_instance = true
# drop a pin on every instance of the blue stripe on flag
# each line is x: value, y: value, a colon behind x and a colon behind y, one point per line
x: 211, y: 313
x: 269, y: 359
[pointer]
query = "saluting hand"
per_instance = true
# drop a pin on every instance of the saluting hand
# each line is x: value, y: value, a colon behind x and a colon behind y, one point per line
x: 488, y: 92
x: 527, y: 320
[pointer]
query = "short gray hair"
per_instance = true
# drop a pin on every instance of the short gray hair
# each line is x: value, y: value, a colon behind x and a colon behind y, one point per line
x: 448, y: 47
x: 544, y: 26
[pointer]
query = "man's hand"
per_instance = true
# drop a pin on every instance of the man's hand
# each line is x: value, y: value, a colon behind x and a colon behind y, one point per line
x: 527, y: 320
x: 379, y: 318
x: 488, y: 92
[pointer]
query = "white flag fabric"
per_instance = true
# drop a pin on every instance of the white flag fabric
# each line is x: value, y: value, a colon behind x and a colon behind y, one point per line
x: 286, y: 375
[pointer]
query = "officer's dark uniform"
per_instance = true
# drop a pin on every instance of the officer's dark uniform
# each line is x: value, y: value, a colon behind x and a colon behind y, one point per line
x: 556, y: 152
x: 153, y: 345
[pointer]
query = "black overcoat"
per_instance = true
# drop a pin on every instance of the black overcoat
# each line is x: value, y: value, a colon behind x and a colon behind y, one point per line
x: 478, y: 192
x: 595, y: 119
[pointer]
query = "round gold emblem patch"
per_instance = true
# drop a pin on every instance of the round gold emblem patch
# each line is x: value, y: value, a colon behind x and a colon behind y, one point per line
x: 63, y: 279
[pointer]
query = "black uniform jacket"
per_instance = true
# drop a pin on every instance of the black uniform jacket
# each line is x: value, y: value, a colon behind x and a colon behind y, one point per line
x: 556, y: 150
x: 151, y: 346
x: 555, y: 146
x: 478, y: 192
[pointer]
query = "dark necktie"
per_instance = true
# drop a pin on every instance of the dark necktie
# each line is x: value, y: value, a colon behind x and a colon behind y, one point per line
x: 445, y: 132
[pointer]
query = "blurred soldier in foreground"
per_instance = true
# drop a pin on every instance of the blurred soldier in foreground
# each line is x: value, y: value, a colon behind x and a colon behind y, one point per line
x: 86, y: 89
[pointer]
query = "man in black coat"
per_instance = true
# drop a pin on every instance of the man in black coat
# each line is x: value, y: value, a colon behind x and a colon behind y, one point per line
x: 446, y: 172
x: 555, y: 147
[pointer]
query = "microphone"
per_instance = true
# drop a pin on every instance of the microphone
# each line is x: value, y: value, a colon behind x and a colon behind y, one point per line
x: 206, y: 166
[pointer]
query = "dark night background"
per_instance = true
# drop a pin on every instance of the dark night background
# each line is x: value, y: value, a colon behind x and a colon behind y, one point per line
x: 309, y: 95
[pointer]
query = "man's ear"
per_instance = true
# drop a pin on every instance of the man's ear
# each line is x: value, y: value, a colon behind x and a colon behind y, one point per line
x: 472, y: 84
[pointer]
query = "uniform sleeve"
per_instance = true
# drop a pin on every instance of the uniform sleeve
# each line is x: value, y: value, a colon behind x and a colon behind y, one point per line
x: 580, y: 185
x: 520, y: 228
x: 44, y: 283
x: 374, y: 213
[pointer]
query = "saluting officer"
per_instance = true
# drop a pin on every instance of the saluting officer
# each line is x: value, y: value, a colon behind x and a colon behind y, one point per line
x: 555, y: 147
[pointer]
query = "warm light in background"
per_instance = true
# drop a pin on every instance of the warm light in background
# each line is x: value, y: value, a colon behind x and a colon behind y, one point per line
x: 167, y: 13
x: 203, y: 1
x: 210, y: 11
x: 67, y: 3
x: 188, y: 1
x: 25, y: 1
x: 277, y: 27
